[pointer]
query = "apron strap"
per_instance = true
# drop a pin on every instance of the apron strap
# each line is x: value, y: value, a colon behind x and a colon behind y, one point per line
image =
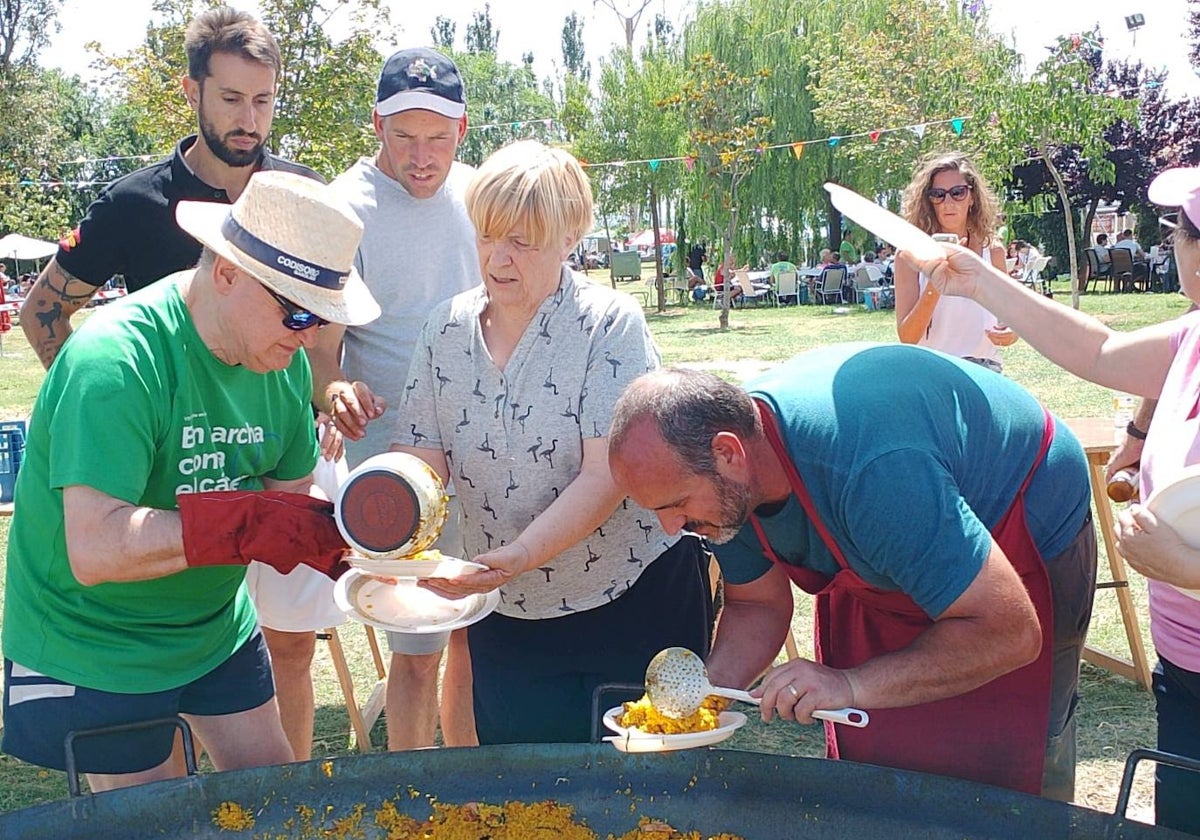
x: 771, y: 428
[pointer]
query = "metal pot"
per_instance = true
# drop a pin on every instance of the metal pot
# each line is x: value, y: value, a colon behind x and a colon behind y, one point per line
x: 760, y: 796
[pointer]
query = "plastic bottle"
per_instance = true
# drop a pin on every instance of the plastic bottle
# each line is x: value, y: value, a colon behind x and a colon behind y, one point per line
x: 1124, y: 405
x: 1123, y: 487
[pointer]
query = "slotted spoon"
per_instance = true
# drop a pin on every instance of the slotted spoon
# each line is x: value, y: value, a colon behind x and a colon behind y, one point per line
x: 677, y: 683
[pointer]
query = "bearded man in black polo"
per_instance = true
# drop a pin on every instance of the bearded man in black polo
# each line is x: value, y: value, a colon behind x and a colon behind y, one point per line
x: 233, y: 71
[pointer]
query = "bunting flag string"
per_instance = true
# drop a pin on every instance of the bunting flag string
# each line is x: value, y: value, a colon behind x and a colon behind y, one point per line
x: 79, y: 161
x: 797, y: 146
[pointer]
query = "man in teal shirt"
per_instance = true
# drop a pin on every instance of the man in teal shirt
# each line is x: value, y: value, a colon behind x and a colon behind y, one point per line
x: 941, y: 517
x: 172, y: 442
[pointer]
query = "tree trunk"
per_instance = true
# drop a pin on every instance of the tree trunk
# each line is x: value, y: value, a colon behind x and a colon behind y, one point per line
x: 1070, y: 219
x: 658, y: 269
x: 608, y: 235
x: 727, y: 262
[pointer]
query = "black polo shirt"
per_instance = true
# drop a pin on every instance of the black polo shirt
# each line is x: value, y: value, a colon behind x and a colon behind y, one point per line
x: 130, y: 229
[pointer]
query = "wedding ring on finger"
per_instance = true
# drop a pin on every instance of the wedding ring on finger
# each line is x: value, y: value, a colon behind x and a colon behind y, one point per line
x: 795, y: 693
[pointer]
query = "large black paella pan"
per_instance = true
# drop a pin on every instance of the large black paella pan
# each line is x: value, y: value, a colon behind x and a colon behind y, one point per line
x: 762, y: 797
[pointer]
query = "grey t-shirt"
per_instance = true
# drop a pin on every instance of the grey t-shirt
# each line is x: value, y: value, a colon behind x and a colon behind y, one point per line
x: 513, y: 438
x: 415, y: 253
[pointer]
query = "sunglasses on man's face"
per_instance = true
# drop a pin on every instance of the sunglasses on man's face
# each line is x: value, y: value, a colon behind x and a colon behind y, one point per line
x: 295, y: 318
x: 937, y: 195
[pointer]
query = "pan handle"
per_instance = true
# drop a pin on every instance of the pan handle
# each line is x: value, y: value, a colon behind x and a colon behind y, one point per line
x: 1131, y: 763
x: 189, y: 749
x: 598, y: 695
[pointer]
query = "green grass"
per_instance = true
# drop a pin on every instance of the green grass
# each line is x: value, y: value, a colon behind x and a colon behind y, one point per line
x: 1116, y: 716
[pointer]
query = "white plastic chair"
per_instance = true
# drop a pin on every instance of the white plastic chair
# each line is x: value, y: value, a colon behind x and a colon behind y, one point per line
x: 831, y: 284
x: 787, y: 285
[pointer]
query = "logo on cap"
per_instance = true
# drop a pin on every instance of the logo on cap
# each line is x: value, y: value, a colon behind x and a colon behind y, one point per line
x: 422, y: 71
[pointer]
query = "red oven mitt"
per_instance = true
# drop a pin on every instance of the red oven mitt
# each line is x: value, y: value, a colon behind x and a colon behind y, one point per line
x: 280, y: 529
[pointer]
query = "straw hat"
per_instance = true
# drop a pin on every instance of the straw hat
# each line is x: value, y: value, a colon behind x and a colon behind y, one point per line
x: 294, y: 235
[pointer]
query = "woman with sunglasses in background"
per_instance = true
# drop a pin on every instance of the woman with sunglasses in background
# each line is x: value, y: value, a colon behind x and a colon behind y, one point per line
x: 947, y: 195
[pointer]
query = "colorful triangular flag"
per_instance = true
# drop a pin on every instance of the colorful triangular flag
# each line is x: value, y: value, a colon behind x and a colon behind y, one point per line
x: 874, y: 135
x: 918, y: 130
x: 654, y: 165
x: 833, y: 141
x: 957, y: 125
x: 798, y: 150
x: 689, y: 162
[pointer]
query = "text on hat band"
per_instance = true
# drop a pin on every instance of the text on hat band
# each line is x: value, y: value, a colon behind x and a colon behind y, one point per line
x: 285, y: 263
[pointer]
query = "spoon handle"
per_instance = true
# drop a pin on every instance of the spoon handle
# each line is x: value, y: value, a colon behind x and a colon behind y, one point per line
x: 734, y: 694
x: 848, y: 716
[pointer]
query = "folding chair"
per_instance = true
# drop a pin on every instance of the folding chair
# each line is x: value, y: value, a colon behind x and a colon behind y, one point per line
x: 364, y: 717
x: 863, y: 280
x: 749, y: 293
x: 1033, y: 275
x: 787, y: 285
x: 830, y: 284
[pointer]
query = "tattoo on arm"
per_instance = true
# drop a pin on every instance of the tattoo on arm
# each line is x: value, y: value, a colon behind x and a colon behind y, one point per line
x: 46, y: 314
x: 67, y: 286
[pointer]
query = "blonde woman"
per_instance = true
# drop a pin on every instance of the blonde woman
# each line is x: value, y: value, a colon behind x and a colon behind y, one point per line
x: 948, y: 195
x: 511, y: 393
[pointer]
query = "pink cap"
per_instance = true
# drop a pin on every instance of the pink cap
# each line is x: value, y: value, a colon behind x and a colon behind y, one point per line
x: 1179, y: 187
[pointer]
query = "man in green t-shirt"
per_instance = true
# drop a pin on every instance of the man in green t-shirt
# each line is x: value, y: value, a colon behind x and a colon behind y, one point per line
x: 172, y: 441
x: 781, y: 265
x: 848, y: 253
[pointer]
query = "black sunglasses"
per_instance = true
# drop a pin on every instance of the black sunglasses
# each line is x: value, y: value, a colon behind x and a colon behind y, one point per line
x: 295, y: 318
x: 937, y: 195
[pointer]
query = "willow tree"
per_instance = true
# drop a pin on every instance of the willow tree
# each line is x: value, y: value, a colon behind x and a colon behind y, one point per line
x: 795, y: 39
x: 726, y: 137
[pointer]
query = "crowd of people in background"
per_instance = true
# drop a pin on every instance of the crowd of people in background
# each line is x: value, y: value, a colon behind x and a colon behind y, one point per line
x: 16, y: 285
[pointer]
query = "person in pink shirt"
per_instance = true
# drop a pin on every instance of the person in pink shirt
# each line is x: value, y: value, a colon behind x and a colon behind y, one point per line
x: 1157, y: 361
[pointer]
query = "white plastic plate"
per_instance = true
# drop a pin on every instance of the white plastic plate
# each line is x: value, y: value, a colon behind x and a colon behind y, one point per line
x: 446, y: 567
x: 404, y: 607
x: 633, y: 740
x: 885, y: 224
x: 1178, y: 505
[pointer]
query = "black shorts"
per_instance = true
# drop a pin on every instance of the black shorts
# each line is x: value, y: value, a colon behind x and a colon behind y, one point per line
x: 39, y: 711
x: 533, y: 679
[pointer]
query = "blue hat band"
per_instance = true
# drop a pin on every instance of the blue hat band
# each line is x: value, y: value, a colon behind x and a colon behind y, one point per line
x: 281, y: 261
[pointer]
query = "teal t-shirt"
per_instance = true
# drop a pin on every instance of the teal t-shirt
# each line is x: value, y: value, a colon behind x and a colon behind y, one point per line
x: 137, y: 407
x: 911, y: 457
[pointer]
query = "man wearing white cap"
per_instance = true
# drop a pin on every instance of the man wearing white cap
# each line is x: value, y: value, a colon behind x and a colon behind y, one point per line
x: 418, y: 249
x: 171, y: 442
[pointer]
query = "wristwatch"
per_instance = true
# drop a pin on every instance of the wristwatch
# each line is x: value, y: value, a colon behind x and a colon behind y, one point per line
x: 1134, y: 432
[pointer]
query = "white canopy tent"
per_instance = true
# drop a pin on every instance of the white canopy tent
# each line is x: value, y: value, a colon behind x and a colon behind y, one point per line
x: 18, y: 247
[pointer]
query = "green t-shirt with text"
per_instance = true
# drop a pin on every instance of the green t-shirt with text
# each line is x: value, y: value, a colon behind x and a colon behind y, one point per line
x: 137, y: 407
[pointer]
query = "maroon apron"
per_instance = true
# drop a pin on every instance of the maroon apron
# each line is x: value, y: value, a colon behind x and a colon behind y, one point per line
x: 996, y: 733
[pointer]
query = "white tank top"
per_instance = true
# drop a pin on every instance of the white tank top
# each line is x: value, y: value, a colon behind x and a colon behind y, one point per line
x: 959, y: 326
